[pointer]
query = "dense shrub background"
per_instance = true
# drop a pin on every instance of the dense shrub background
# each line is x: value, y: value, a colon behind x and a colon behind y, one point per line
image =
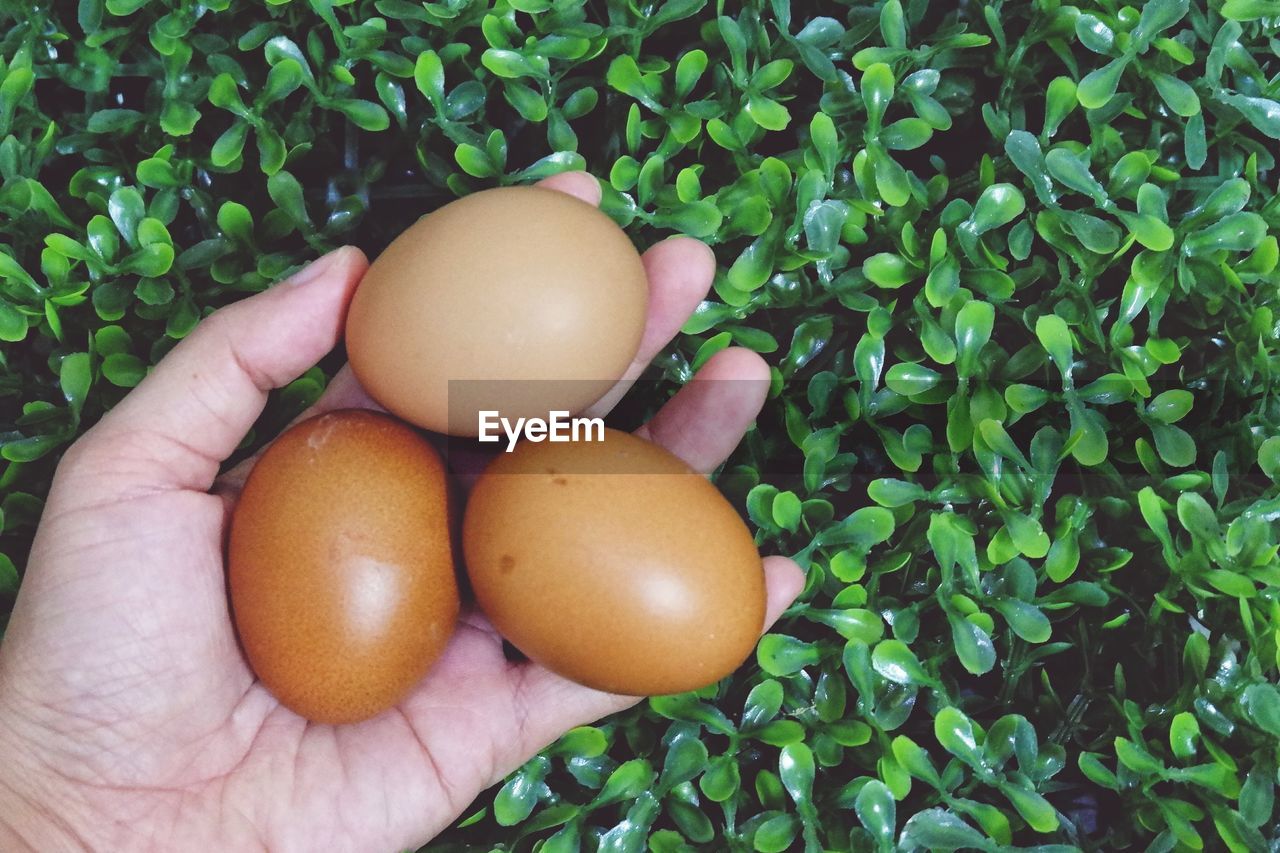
x: 1014, y: 262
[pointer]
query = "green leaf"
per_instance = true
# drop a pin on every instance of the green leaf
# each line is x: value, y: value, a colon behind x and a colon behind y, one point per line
x: 767, y: 113
x: 1060, y: 101
x: 1094, y: 34
x: 972, y: 645
x: 938, y: 830
x: 365, y: 115
x: 997, y: 439
x: 910, y: 379
x: 428, y: 76
x: 1269, y: 456
x: 826, y: 141
x: 1262, y: 113
x: 110, y: 121
x: 1184, y: 732
x: 75, y: 379
x: 895, y: 661
x: 753, y: 267
x: 89, y: 15
x: 509, y: 64
x: 686, y: 759
x: 1171, y: 406
x: 8, y: 576
x: 1099, y: 86
x: 1136, y: 758
x: 10, y: 268
x: 283, y: 79
x: 863, y: 529
x: 627, y: 782
x: 876, y: 812
x: 152, y: 261
x: 779, y: 654
x: 1262, y: 703
x: 689, y: 71
x: 906, y: 134
x: 1055, y: 337
x: 915, y: 760
x: 517, y: 798
x: 1257, y: 798
x: 1035, y: 809
x: 893, y: 493
x: 893, y: 27
x: 1239, y: 232
x: 527, y: 102
x: 13, y: 323
x: 625, y: 76
x: 235, y: 220
x: 889, y: 270
x: 225, y: 94
x: 1158, y: 16
x: 1026, y: 620
x: 943, y: 282
x: 1068, y: 170
x: 1152, y: 233
x: 1095, y: 772
x: 229, y: 145
x: 581, y: 742
x: 1025, y: 153
x: 123, y: 369
x: 877, y: 92
x: 763, y: 704
x: 1175, y: 446
x: 1027, y: 535
x: 892, y: 181
x: 797, y: 771
x: 974, y: 323
x: 1250, y: 10
x: 955, y: 733
x: 474, y: 161
x: 776, y: 834
x: 786, y: 511
x: 1180, y: 97
x: 127, y: 208
x: 28, y: 449
x: 1195, y: 143
x: 998, y: 205
x: 286, y: 192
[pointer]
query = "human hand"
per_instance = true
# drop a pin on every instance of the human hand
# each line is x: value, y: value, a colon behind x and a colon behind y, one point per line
x: 128, y: 716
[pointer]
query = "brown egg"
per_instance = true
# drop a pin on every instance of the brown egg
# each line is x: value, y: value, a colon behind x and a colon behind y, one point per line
x: 341, y: 565
x: 614, y: 564
x: 519, y: 300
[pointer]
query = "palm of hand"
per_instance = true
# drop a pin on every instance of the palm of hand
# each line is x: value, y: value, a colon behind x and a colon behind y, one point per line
x: 122, y: 688
x: 143, y: 686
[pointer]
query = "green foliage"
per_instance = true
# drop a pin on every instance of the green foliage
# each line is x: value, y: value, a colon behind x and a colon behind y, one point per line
x: 1014, y: 267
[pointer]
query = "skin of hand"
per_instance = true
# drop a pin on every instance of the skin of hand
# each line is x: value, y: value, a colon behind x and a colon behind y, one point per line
x: 128, y: 716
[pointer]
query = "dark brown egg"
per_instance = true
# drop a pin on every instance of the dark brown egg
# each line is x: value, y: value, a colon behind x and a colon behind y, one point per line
x: 614, y: 564
x: 520, y: 300
x: 341, y: 565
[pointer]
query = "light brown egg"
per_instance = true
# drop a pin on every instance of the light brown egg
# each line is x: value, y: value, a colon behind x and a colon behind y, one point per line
x: 341, y: 565
x: 614, y: 564
x: 520, y: 300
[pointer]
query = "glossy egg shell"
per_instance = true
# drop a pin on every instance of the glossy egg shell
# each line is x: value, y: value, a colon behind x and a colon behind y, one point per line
x: 341, y: 565
x: 520, y: 300
x: 614, y: 564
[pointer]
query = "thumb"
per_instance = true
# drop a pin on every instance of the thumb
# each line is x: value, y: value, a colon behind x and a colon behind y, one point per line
x: 190, y: 413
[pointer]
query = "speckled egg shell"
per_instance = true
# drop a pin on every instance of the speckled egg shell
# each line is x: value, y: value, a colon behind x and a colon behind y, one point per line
x: 520, y: 300
x: 341, y: 567
x: 614, y: 564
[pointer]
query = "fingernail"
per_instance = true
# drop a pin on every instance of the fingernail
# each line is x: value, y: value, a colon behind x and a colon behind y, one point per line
x: 317, y: 268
